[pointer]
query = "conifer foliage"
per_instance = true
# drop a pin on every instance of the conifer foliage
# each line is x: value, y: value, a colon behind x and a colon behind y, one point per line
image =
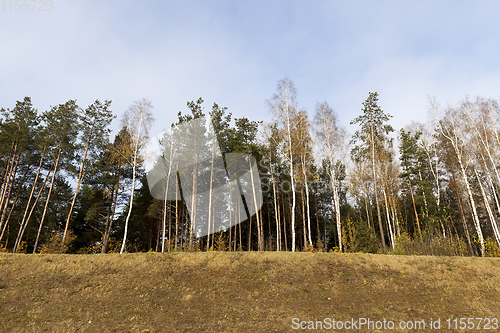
x: 66, y: 185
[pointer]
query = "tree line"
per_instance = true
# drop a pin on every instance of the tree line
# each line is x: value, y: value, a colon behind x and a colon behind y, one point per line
x: 67, y: 186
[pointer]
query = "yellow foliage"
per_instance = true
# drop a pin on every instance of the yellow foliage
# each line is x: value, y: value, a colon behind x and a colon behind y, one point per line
x: 55, y: 244
x: 320, y: 245
x: 310, y: 248
x: 336, y: 249
x: 350, y: 238
x: 221, y: 242
x: 22, y: 247
x: 491, y: 248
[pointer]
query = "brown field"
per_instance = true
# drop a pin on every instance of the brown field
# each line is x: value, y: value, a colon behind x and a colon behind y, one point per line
x: 239, y: 292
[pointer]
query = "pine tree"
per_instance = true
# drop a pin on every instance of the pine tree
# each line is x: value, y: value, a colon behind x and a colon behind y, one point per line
x: 371, y: 141
x: 94, y: 124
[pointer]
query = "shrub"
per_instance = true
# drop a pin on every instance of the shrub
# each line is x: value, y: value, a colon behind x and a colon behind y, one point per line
x: 310, y: 248
x: 430, y: 244
x: 55, y: 244
x: 320, y: 245
x: 358, y: 237
x: 491, y: 248
x: 22, y: 248
x: 221, y: 242
x: 350, y: 237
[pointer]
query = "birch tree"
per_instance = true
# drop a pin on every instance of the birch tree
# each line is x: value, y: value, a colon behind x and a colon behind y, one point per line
x: 305, y: 151
x: 272, y: 140
x: 169, y: 156
x: 332, y: 139
x: 481, y: 149
x: 137, y: 120
x: 449, y: 126
x: 283, y: 105
x: 118, y: 155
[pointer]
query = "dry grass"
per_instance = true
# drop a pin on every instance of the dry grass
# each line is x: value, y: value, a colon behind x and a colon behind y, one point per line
x: 236, y: 292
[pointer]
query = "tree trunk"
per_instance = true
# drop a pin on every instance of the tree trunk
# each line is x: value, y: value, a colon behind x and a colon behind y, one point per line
x: 284, y: 222
x: 80, y: 177
x: 11, y: 185
x: 176, y: 206
x: 388, y: 219
x: 304, y: 231
x: 318, y: 233
x: 259, y: 227
x: 466, y: 228
x: 367, y: 212
x: 165, y: 205
x: 7, y: 179
x: 193, y: 201
x: 307, y: 204
x: 109, y: 223
x: 415, y: 209
x: 7, y: 197
x: 375, y: 188
x: 170, y: 227
x: 15, y: 200
x: 336, y: 203
x: 6, y: 176
x: 230, y: 217
x: 13, y: 206
x: 423, y: 196
x: 292, y: 213
x: 250, y: 234
x: 210, y: 195
x: 276, y: 212
x: 48, y: 197
x: 395, y: 214
x: 239, y: 227
x: 129, y: 207
x: 32, y: 190
x: 476, y: 218
x: 488, y: 209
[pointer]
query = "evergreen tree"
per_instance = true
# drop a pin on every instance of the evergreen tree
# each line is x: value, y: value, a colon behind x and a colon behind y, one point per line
x: 371, y: 142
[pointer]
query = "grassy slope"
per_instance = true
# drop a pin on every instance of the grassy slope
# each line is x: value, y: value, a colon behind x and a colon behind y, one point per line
x: 236, y: 292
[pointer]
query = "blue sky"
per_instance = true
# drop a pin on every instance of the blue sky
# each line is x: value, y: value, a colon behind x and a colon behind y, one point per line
x: 234, y: 52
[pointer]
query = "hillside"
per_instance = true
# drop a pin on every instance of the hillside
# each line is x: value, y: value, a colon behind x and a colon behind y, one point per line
x: 238, y: 292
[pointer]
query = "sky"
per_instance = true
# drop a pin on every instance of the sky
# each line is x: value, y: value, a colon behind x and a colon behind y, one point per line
x: 234, y: 52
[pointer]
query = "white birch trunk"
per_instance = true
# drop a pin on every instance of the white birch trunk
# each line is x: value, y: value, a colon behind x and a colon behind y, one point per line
x: 129, y: 209
x: 210, y: 195
x: 169, y: 172
x: 476, y: 218
x: 336, y: 203
x: 134, y: 165
x: 259, y: 228
x: 488, y: 209
x: 307, y: 202
x: 388, y: 219
x: 276, y: 212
